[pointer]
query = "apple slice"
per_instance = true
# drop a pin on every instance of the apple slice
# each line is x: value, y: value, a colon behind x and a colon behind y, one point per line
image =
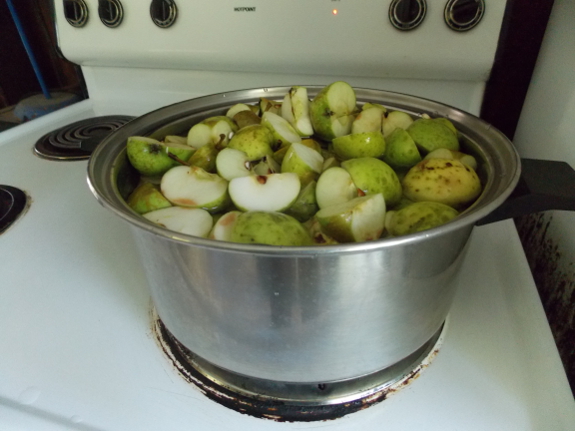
x: 191, y: 221
x: 192, y: 187
x: 238, y: 107
x: 360, y: 219
x: 232, y: 163
x: 270, y: 228
x: 303, y: 161
x: 274, y: 192
x: 295, y: 109
x: 223, y: 228
x: 368, y: 120
x: 213, y: 130
x: 305, y: 206
x: 332, y: 110
x: 146, y: 197
x: 334, y: 187
x: 267, y: 105
x: 430, y: 135
x: 283, y: 132
x: 395, y: 120
x: 174, y: 139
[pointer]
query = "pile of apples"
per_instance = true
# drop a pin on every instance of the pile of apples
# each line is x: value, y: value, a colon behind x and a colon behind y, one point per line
x: 305, y: 172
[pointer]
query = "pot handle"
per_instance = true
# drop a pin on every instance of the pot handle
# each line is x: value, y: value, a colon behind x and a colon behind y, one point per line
x: 543, y: 185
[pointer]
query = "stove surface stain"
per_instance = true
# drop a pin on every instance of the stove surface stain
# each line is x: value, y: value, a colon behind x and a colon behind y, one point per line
x: 277, y: 411
x: 555, y: 281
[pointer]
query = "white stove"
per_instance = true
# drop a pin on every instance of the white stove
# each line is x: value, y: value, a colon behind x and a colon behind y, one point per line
x: 78, y: 349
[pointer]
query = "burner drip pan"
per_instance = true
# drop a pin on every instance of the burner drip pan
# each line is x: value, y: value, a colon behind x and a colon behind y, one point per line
x: 289, y: 402
x: 76, y: 141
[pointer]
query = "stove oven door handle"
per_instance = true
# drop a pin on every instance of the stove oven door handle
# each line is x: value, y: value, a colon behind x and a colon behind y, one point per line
x: 544, y: 185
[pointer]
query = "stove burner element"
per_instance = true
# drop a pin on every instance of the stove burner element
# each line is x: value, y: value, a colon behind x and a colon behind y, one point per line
x: 294, y: 402
x: 76, y: 141
x: 13, y: 202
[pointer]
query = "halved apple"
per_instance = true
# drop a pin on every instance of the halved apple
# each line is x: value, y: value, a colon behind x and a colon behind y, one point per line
x: 332, y: 110
x: 283, y: 132
x: 368, y: 120
x: 256, y: 141
x: 274, y: 192
x: 232, y: 163
x: 213, y: 130
x: 193, y: 187
x: 224, y: 226
x: 395, y: 120
x: 303, y: 161
x: 365, y: 144
x: 360, y: 219
x: 334, y: 187
x: 191, y: 221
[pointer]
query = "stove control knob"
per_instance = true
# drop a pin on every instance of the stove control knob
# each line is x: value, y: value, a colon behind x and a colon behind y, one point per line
x: 407, y: 14
x: 111, y: 12
x: 163, y: 12
x: 463, y: 15
x: 76, y: 12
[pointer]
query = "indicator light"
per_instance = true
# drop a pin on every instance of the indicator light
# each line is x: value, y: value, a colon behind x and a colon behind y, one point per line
x: 334, y: 12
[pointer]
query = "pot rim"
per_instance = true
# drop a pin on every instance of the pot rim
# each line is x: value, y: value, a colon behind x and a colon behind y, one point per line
x: 496, y: 154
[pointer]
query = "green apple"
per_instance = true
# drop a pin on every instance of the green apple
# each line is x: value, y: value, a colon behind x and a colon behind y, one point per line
x: 205, y: 158
x: 271, y: 228
x: 313, y: 144
x: 148, y: 156
x: 449, y: 182
x: 274, y: 192
x: 191, y: 221
x: 332, y: 110
x: 419, y: 216
x: 372, y: 176
x: 446, y: 123
x: 430, y: 135
x: 368, y: 120
x: 256, y: 141
x: 246, y: 118
x: 360, y: 219
x: 400, y: 150
x: 334, y: 186
x: 395, y: 120
x: 232, y: 163
x: 295, y: 109
x: 368, y: 105
x: 193, y: 187
x: 305, y: 205
x: 224, y: 226
x: 330, y: 162
x: 366, y: 144
x: 283, y: 132
x: 147, y: 197
x: 303, y: 161
x: 213, y: 130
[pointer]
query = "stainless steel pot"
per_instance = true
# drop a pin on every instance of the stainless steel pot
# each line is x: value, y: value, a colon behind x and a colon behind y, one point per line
x: 303, y: 314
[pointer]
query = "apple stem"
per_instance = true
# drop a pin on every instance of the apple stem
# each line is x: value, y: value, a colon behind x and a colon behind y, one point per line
x: 177, y: 159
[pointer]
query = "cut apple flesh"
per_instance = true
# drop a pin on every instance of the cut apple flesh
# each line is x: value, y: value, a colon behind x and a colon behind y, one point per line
x: 223, y: 228
x: 283, y: 131
x: 232, y: 163
x: 191, y: 221
x: 334, y: 187
x: 193, y: 187
x: 360, y: 219
x: 275, y: 192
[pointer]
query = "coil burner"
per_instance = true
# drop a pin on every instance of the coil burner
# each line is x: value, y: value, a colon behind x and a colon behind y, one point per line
x: 294, y: 402
x: 76, y: 141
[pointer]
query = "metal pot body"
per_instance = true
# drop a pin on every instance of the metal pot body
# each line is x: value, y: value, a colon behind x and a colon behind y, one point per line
x: 315, y: 318
x: 302, y: 314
